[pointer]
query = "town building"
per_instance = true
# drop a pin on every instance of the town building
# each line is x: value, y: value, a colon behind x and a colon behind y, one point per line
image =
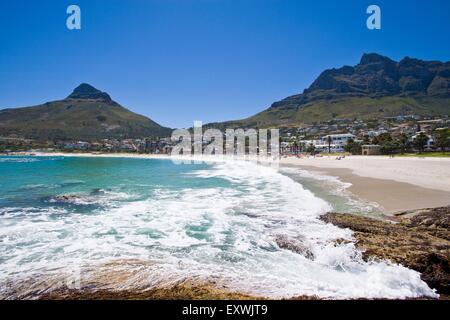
x: 371, y: 150
x: 339, y: 141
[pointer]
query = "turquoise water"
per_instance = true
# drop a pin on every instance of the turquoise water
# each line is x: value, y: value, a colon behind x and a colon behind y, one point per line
x: 123, y: 223
x: 33, y: 181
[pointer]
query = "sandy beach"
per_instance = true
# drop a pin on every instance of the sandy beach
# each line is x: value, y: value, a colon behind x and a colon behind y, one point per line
x: 396, y: 184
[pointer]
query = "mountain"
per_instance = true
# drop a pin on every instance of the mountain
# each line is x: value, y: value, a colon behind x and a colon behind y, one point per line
x: 86, y: 114
x: 376, y: 87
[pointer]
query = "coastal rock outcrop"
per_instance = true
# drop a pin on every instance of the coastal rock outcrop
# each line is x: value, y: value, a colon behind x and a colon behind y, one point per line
x: 66, y: 198
x: 180, y: 291
x: 419, y: 240
x: 294, y: 245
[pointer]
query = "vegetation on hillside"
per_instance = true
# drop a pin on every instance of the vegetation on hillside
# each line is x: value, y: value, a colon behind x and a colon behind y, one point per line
x: 86, y: 114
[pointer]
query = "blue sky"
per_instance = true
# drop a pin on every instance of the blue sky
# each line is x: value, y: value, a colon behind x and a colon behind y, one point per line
x: 177, y: 61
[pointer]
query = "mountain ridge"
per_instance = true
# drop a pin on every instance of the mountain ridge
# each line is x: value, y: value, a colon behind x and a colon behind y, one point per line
x: 376, y: 86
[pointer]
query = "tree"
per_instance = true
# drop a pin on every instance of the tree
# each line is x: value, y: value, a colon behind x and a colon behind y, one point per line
x: 366, y: 139
x: 353, y: 147
x: 403, y: 142
x: 302, y: 146
x: 329, y: 140
x: 295, y: 147
x: 420, y: 141
x: 390, y: 147
x: 311, y: 148
x: 387, y: 144
x: 442, y: 136
x: 383, y: 138
x: 348, y: 146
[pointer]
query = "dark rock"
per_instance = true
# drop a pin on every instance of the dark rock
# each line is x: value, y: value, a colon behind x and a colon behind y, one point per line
x: 294, y: 245
x: 86, y: 91
x: 377, y: 76
x: 435, y: 270
x: 66, y: 198
x: 188, y: 290
x: 374, y: 58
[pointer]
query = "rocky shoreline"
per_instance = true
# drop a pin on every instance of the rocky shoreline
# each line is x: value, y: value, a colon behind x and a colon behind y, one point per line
x: 419, y: 240
x: 187, y: 290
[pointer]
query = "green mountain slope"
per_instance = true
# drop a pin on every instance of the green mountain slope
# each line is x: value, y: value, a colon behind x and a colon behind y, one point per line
x: 376, y: 87
x: 86, y: 114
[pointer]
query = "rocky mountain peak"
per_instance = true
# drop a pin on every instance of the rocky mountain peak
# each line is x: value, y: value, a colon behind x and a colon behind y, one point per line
x: 369, y: 58
x: 86, y: 91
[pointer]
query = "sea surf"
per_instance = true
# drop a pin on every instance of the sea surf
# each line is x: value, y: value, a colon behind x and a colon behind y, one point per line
x: 137, y: 224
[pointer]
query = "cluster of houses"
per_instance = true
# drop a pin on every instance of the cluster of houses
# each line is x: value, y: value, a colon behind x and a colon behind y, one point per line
x: 333, y: 136
x: 147, y: 145
x: 333, y: 143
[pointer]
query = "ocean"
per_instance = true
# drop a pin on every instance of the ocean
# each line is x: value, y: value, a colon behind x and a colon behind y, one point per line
x: 129, y: 223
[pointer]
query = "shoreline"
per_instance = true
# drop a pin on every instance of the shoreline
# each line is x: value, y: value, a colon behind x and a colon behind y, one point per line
x: 430, y: 173
x: 392, y: 187
x: 396, y: 185
x: 391, y: 196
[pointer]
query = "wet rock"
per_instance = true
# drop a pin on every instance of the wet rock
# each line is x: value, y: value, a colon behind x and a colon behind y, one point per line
x: 187, y: 290
x: 342, y: 241
x: 66, y: 198
x: 294, y: 245
x: 419, y: 240
x: 435, y: 221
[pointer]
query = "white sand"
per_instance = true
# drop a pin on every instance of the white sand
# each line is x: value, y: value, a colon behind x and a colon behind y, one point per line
x: 433, y: 173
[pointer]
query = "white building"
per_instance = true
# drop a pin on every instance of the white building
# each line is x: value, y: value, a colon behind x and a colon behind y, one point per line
x: 338, y: 141
x: 324, y: 148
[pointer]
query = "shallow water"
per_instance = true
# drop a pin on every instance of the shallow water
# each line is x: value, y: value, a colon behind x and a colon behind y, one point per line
x: 216, y: 221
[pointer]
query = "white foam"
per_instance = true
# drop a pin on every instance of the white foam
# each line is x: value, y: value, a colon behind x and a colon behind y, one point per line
x: 336, y: 187
x: 224, y: 232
